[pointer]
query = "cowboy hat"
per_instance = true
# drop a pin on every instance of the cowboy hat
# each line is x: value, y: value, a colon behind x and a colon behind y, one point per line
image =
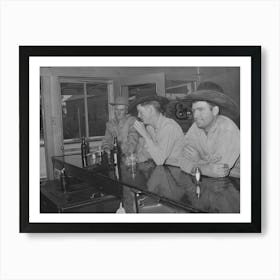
x: 120, y: 100
x: 163, y: 101
x: 207, y: 93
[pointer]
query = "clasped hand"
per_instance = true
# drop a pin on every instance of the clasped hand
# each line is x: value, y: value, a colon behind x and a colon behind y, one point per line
x: 220, y: 169
x: 215, y: 169
x: 191, y: 154
x: 140, y: 128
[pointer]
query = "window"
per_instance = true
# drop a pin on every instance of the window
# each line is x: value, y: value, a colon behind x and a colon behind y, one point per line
x: 84, y: 109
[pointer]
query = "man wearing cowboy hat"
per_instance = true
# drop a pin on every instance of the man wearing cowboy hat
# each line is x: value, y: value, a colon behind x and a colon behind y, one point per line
x: 121, y: 126
x: 162, y: 136
x: 213, y: 141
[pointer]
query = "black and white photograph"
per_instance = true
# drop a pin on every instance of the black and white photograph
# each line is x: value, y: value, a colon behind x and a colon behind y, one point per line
x: 145, y: 132
x: 140, y: 140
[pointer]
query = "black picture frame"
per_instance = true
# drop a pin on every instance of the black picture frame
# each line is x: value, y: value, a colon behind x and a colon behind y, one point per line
x: 254, y: 52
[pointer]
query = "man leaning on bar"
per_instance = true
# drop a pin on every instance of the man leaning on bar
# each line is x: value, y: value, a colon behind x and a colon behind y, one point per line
x: 213, y: 141
x: 161, y: 137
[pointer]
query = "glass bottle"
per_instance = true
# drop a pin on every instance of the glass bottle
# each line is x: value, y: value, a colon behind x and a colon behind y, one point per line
x: 63, y: 180
x: 84, y: 152
x: 115, y: 153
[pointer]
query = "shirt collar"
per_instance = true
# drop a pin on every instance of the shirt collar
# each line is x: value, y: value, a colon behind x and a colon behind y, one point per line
x: 214, y: 126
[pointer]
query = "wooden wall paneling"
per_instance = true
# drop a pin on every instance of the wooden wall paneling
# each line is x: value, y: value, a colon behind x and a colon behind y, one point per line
x: 52, y: 120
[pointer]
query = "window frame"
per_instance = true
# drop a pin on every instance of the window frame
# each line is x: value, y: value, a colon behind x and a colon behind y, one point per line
x: 84, y: 81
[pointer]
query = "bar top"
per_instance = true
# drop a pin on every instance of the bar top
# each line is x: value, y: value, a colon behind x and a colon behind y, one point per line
x: 168, y: 184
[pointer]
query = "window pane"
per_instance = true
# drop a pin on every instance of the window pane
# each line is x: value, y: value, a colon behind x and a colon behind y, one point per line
x: 97, y: 101
x: 73, y: 113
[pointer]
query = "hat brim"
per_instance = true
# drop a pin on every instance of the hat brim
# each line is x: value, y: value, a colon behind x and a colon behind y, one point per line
x: 118, y: 103
x: 163, y: 101
x: 227, y: 106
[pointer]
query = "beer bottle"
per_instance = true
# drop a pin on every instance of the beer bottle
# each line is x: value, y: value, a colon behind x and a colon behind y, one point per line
x: 63, y: 180
x: 87, y: 147
x: 115, y: 153
x: 84, y: 152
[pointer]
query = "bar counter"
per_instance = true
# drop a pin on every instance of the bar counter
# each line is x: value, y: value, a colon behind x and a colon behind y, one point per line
x: 148, y: 188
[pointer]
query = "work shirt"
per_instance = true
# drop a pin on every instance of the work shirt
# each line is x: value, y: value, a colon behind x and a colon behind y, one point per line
x: 166, y: 140
x: 220, y: 145
x: 141, y: 151
x: 124, y: 131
